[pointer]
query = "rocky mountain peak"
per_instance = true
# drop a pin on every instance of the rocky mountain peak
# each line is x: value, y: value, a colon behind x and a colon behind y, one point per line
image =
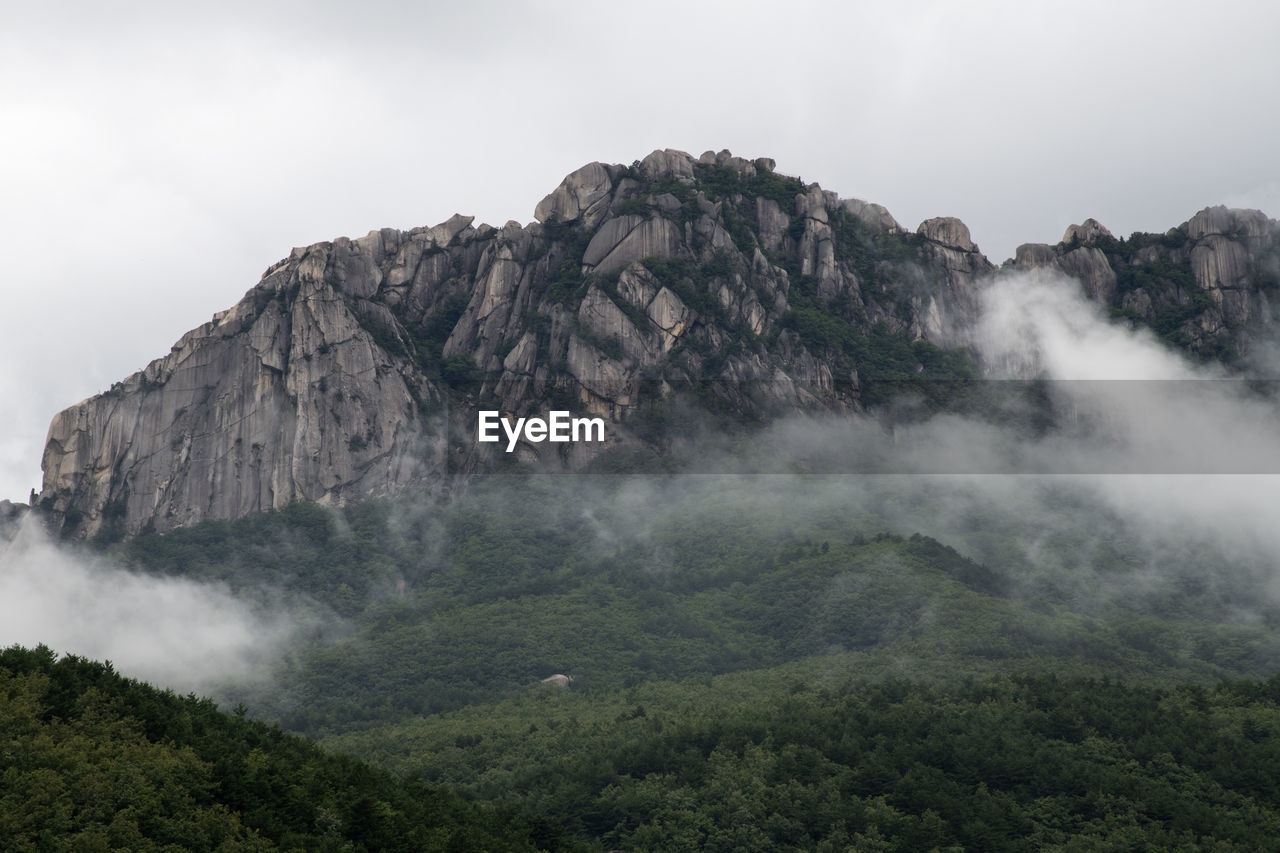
x: 947, y: 231
x: 356, y: 367
x: 1228, y: 222
x: 1207, y: 286
x: 581, y: 197
x: 1086, y: 232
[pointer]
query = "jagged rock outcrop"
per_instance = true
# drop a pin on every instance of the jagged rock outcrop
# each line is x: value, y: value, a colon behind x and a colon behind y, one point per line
x: 292, y: 394
x: 352, y: 368
x: 355, y: 368
x: 1086, y: 232
x: 582, y: 196
x: 1207, y: 285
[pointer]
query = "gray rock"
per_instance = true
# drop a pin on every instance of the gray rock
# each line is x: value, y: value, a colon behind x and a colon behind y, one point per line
x: 444, y: 234
x: 11, y: 515
x: 1034, y: 255
x: 1228, y: 222
x: 875, y: 215
x: 1090, y: 267
x: 581, y: 195
x: 607, y: 381
x: 667, y: 164
x: 738, y: 164
x: 812, y: 205
x: 608, y: 237
x: 321, y: 384
x: 1137, y: 301
x: 773, y: 223
x: 1086, y: 232
x: 667, y: 203
x: 599, y: 315
x: 947, y: 231
x: 1218, y: 262
x: 637, y: 285
x: 290, y: 399
x: 656, y: 237
x: 671, y: 315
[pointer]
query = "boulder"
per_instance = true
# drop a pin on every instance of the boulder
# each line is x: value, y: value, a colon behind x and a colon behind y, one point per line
x: 667, y: 164
x: 875, y: 215
x: 947, y: 231
x: 1086, y: 232
x: 581, y: 196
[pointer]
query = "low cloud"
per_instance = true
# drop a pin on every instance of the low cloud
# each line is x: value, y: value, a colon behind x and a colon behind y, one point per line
x: 1153, y: 475
x: 173, y: 632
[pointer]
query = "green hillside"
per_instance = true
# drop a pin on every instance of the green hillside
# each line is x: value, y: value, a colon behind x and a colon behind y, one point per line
x: 802, y: 758
x: 91, y: 761
x: 774, y: 662
x: 619, y: 582
x: 796, y: 757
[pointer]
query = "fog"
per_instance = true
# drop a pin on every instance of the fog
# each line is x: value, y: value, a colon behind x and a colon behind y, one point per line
x: 1166, y: 463
x: 1150, y: 488
x: 173, y: 632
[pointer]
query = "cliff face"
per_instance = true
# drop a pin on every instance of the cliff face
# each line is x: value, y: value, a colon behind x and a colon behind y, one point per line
x: 355, y: 368
x: 285, y: 396
x: 1207, y: 286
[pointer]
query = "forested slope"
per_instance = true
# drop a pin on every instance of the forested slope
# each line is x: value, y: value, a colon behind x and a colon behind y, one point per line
x: 764, y: 760
x: 618, y: 582
x: 774, y: 662
x: 91, y: 761
x: 788, y: 759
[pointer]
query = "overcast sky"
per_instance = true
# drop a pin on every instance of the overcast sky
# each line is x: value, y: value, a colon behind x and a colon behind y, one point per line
x: 158, y: 157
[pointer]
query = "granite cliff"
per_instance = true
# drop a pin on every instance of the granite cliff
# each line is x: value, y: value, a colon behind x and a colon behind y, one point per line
x: 354, y: 368
x: 1208, y: 286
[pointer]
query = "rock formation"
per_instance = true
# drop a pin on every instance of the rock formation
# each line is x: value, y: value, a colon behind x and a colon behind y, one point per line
x: 1206, y: 286
x: 355, y: 368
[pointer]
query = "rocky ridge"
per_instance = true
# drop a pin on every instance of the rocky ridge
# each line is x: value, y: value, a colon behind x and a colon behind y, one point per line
x: 354, y: 368
x: 1208, y: 286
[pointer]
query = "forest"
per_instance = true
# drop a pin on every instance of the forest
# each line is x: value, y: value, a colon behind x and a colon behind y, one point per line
x: 756, y: 662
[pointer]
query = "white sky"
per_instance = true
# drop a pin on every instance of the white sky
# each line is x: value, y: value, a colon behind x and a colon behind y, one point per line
x: 156, y: 157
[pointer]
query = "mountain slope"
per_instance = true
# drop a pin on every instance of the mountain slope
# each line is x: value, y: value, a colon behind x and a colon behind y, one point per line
x: 782, y: 760
x: 1207, y: 287
x: 356, y: 368
x: 619, y: 582
x: 93, y: 761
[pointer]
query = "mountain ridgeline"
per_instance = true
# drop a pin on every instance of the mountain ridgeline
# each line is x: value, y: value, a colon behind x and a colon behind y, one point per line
x: 643, y: 293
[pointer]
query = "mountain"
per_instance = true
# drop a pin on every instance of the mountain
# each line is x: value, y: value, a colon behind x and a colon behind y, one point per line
x: 1206, y: 286
x: 356, y: 368
x: 754, y: 667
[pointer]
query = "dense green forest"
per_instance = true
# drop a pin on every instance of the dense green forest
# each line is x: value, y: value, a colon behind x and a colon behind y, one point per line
x: 621, y: 581
x: 774, y: 761
x: 757, y: 663
x: 92, y: 761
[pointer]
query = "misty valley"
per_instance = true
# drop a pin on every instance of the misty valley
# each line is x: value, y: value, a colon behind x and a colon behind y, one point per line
x: 866, y: 544
x: 757, y: 662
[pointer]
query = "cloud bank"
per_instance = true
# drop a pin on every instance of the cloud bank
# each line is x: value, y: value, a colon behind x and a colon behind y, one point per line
x: 1153, y: 476
x: 172, y: 632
